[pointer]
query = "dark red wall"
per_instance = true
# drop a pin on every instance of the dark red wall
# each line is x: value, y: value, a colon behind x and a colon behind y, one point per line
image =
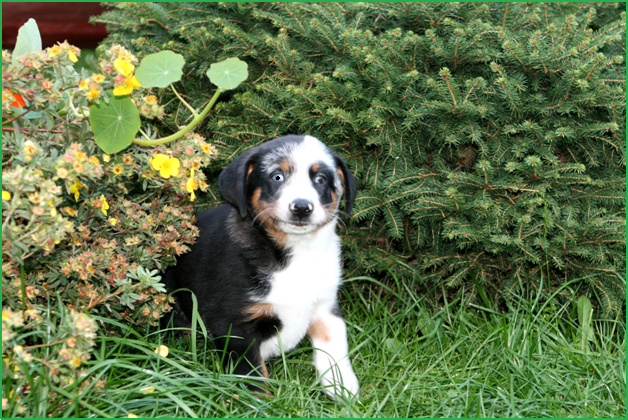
x: 56, y: 21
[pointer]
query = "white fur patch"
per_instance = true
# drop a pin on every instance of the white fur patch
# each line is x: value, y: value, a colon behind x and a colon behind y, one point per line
x: 331, y: 355
x: 312, y: 277
x: 305, y: 291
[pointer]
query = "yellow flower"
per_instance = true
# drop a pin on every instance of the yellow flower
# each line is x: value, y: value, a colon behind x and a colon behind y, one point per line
x: 84, y: 84
x: 129, y: 84
x: 123, y: 67
x: 166, y: 166
x: 190, y: 186
x: 94, y: 160
x: 29, y: 150
x: 75, y: 362
x: 112, y: 221
x: 72, y: 56
x: 158, y: 160
x: 6, y: 196
x: 132, y: 416
x: 162, y: 351
x: 93, y: 94
x: 117, y: 169
x: 104, y: 206
x: 54, y: 50
x: 62, y: 172
x: 53, y: 210
x: 70, y: 211
x: 35, y: 198
x: 147, y: 389
x: 150, y: 100
x: 74, y: 189
x: 98, y: 78
x: 106, y: 157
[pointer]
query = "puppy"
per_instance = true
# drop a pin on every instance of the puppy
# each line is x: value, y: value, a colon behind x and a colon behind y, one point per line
x: 266, y: 267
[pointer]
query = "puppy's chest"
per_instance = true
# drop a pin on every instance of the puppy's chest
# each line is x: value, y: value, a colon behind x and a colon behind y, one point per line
x: 312, y: 275
x: 309, y: 280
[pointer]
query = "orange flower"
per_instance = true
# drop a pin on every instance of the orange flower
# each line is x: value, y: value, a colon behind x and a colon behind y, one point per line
x: 19, y: 101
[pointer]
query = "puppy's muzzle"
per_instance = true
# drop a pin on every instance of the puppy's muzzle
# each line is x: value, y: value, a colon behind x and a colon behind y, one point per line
x: 301, y: 208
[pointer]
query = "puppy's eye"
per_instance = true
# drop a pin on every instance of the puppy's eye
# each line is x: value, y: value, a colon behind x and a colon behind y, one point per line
x: 277, y: 177
x: 320, y: 179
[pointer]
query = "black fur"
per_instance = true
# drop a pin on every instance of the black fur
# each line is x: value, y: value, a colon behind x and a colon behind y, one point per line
x: 232, y: 259
x: 221, y: 289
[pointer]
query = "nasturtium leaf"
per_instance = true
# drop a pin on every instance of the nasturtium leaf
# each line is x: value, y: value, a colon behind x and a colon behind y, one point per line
x: 114, y: 124
x: 229, y: 73
x: 160, y: 70
x: 28, y: 40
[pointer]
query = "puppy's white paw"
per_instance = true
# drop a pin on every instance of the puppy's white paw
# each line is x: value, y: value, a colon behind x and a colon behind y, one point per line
x: 340, y: 382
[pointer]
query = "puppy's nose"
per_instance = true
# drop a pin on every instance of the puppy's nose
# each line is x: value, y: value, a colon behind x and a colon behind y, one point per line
x: 301, y: 208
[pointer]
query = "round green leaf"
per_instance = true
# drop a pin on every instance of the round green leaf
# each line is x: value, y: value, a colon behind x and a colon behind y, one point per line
x: 228, y: 74
x: 28, y: 41
x: 160, y: 70
x: 114, y: 124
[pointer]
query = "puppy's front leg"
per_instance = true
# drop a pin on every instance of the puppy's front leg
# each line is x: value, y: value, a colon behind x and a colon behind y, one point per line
x: 244, y: 353
x: 328, y: 333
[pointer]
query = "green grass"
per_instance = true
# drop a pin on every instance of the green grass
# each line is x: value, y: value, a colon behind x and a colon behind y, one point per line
x: 412, y: 361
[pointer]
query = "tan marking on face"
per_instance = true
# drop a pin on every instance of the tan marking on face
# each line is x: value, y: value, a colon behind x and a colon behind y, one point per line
x: 248, y: 172
x: 319, y: 331
x: 331, y: 209
x: 315, y: 167
x: 260, y: 310
x: 278, y: 236
x: 285, y: 166
x: 265, y: 212
x: 342, y: 176
x: 255, y: 199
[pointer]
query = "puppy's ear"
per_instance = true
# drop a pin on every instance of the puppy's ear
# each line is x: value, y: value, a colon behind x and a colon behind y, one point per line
x: 232, y: 181
x: 350, y: 184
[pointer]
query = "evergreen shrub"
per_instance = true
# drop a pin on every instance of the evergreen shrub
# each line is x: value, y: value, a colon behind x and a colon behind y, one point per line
x: 488, y: 139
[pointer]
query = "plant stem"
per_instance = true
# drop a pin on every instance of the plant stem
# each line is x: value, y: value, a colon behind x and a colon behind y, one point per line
x: 19, y: 116
x: 194, y: 113
x: 144, y: 134
x: 30, y: 130
x: 23, y: 287
x: 197, y: 119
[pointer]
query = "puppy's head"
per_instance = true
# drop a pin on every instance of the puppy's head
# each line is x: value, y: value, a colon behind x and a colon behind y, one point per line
x: 293, y: 184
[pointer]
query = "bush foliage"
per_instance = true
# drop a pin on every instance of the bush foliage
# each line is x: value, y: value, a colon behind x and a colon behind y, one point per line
x: 488, y: 139
x: 90, y: 214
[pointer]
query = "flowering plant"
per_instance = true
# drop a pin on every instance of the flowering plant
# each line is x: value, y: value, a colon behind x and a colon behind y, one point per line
x: 88, y: 223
